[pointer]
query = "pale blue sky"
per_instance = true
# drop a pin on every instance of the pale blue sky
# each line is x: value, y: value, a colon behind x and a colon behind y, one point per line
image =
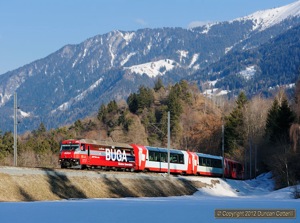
x: 32, y: 29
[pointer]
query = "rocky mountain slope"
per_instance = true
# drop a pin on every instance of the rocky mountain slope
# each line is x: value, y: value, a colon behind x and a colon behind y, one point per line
x: 72, y: 82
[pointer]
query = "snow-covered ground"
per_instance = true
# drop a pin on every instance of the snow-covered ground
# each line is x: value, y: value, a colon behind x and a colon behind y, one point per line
x: 254, y: 194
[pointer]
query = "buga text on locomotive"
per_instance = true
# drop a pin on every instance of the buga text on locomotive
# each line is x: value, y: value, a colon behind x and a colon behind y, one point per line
x: 115, y: 154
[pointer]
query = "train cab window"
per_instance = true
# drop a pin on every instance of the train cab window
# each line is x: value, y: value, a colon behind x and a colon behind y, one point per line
x: 82, y: 147
x: 69, y: 147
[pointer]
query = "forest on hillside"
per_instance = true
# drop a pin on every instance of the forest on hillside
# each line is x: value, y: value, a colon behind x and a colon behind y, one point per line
x: 260, y: 132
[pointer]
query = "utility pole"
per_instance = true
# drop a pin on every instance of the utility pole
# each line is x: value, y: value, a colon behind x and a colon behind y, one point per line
x: 169, y: 143
x: 15, y: 131
x: 223, y: 151
x: 250, y: 158
x: 255, y: 161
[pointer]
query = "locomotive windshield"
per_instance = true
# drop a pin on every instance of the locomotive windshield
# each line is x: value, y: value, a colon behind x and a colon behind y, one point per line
x: 69, y: 147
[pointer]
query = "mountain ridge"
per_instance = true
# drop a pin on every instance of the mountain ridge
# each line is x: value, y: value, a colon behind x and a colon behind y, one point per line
x: 73, y: 81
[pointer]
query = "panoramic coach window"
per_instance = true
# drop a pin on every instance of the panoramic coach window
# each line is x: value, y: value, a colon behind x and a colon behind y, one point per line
x: 163, y: 157
x: 173, y: 158
x: 181, y: 159
x: 151, y: 156
x: 176, y: 158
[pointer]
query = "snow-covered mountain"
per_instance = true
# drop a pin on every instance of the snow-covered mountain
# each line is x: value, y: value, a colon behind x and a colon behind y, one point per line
x: 268, y: 18
x: 153, y: 69
x: 72, y: 82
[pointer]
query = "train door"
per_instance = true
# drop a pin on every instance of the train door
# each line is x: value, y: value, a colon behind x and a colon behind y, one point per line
x: 83, y: 156
x: 88, y: 155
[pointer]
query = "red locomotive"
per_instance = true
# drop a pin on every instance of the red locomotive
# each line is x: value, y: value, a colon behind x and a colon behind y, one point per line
x: 87, y: 153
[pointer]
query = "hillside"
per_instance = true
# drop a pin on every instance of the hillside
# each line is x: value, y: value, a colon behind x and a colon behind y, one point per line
x: 74, y: 81
x: 252, y: 69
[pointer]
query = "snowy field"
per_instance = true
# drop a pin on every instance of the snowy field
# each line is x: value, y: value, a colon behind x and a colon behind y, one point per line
x: 256, y: 194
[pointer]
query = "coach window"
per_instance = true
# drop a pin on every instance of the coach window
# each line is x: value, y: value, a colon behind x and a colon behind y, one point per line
x: 219, y: 164
x: 216, y: 163
x: 151, y: 156
x: 173, y: 158
x: 181, y: 160
x: 163, y: 157
x: 208, y: 162
x: 202, y: 163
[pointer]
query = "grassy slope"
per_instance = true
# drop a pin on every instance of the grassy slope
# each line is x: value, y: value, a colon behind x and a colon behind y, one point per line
x: 49, y: 184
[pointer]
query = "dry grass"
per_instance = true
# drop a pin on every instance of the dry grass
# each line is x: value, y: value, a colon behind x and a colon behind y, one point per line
x: 55, y: 186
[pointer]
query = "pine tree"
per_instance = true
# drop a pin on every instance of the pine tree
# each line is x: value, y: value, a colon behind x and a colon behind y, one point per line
x: 158, y: 84
x: 279, y: 121
x: 132, y: 102
x: 112, y: 107
x: 102, y: 113
x: 6, y: 144
x: 271, y: 122
x: 234, y: 134
x: 143, y: 99
x: 40, y: 131
x: 78, y: 126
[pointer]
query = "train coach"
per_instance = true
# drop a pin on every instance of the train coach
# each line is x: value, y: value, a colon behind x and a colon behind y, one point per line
x: 87, y: 153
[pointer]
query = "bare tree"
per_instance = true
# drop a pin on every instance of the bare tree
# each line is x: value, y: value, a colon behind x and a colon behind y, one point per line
x: 295, y: 135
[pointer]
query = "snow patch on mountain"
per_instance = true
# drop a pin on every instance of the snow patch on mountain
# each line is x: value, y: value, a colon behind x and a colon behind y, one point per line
x: 128, y: 36
x: 182, y: 54
x: 270, y: 17
x: 127, y: 58
x: 79, y: 97
x: 248, y: 73
x: 153, y: 69
x: 194, y: 59
x: 111, y: 54
x: 207, y: 27
x: 24, y: 114
x: 215, y: 92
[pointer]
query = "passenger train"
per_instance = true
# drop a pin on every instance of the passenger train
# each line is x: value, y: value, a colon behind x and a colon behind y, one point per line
x: 88, y: 153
